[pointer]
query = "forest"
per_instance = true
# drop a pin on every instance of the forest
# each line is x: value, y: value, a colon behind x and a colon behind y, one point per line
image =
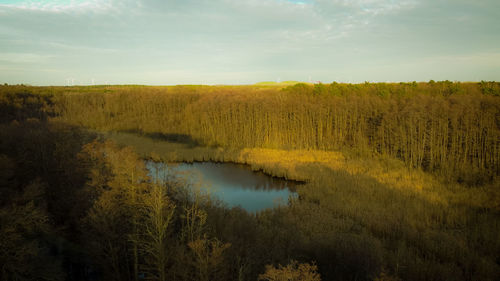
x: 401, y: 182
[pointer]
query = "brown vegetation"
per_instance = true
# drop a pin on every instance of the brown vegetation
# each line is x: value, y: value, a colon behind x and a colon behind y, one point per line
x: 447, y: 128
x: 402, y: 182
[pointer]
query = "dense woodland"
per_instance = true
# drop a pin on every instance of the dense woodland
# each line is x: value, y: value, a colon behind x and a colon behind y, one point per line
x: 402, y: 182
x: 444, y: 127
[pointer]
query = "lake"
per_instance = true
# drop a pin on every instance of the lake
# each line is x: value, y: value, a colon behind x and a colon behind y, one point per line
x: 234, y: 184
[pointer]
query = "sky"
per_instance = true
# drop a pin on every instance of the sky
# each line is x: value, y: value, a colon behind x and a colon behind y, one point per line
x: 168, y: 42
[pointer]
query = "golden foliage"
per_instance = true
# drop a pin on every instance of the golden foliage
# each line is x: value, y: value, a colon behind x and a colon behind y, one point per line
x: 446, y: 128
x: 294, y: 271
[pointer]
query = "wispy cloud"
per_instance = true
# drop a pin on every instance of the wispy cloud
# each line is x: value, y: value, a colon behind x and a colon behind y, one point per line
x: 24, y: 58
x: 59, y: 6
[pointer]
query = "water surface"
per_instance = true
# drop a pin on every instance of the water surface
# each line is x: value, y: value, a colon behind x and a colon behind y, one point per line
x: 234, y: 184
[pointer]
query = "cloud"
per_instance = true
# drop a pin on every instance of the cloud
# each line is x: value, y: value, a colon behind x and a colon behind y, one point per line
x: 24, y: 58
x: 60, y: 6
x: 363, y: 7
x: 247, y: 40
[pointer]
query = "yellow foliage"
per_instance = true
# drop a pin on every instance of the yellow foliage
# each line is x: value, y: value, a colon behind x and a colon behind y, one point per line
x: 292, y: 272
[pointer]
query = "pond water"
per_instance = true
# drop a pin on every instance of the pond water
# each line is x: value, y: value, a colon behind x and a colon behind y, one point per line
x: 234, y: 184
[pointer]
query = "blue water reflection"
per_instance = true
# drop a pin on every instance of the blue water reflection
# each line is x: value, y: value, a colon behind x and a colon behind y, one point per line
x: 234, y: 184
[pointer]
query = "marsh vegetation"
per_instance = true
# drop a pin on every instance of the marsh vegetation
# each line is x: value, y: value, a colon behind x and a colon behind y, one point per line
x: 400, y: 182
